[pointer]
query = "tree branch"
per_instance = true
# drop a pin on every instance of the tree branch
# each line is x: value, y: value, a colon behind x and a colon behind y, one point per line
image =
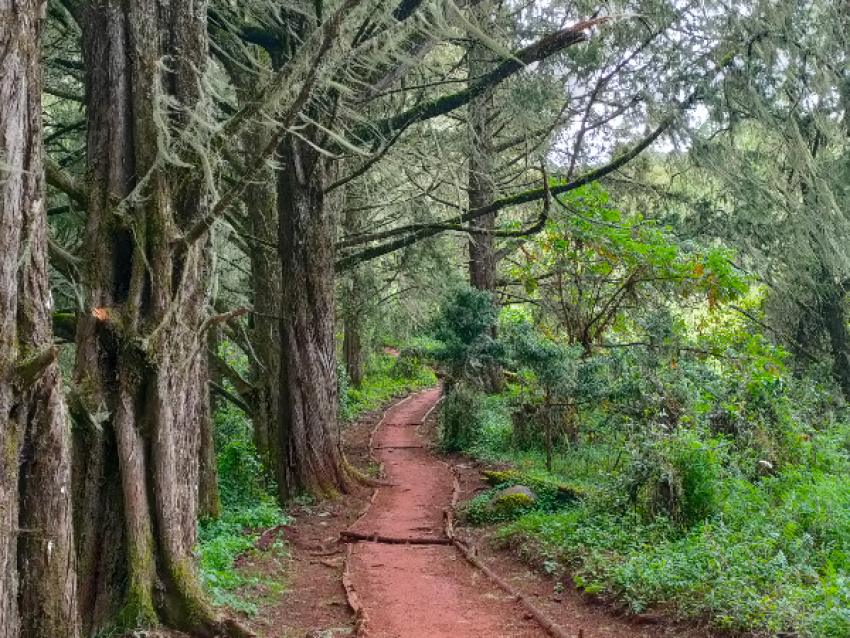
x: 329, y: 30
x: 242, y: 387
x: 65, y: 182
x: 232, y: 398
x: 539, y: 51
x: 412, y: 234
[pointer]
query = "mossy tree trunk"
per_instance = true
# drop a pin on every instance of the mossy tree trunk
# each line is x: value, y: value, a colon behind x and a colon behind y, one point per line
x: 37, y: 572
x: 309, y: 457
x: 140, y: 375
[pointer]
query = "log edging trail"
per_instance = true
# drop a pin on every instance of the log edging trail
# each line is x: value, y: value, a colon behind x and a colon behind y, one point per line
x: 470, y: 553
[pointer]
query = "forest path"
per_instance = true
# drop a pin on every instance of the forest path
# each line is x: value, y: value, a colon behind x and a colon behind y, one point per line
x: 422, y: 590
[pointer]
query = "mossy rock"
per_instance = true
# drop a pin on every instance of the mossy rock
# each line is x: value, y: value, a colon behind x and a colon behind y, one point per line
x: 511, y: 499
x: 563, y: 491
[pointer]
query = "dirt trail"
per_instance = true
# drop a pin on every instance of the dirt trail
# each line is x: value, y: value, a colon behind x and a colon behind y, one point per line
x: 422, y: 591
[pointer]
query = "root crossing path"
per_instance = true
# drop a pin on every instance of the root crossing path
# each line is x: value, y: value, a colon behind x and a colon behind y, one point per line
x: 421, y: 589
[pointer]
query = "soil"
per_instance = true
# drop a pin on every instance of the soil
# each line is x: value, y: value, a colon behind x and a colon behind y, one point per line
x: 423, y: 590
x: 311, y: 600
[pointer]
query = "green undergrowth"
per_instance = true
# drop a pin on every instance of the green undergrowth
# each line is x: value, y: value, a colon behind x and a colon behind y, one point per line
x: 222, y: 541
x: 248, y: 507
x: 386, y: 377
x: 687, y: 521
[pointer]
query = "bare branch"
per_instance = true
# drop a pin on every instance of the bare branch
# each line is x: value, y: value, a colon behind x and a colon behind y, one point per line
x: 414, y: 233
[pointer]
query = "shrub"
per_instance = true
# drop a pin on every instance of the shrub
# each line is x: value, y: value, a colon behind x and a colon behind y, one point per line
x: 459, y: 418
x: 677, y: 476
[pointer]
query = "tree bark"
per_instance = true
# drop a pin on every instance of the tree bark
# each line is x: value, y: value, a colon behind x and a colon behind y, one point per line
x: 38, y: 594
x: 482, y: 173
x: 209, y: 502
x: 834, y: 316
x: 261, y: 205
x: 140, y: 373
x: 483, y: 192
x: 352, y: 346
x: 309, y: 457
x: 209, y: 498
x: 353, y: 305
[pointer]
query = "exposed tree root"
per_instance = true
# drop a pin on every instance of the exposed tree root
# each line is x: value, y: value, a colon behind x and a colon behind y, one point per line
x: 232, y: 628
x: 354, y: 537
x: 361, y: 478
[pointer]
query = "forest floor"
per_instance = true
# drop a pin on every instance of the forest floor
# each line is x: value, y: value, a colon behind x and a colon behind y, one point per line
x: 422, y: 590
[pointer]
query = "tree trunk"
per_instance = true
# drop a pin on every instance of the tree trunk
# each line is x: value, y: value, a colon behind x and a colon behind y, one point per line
x: 482, y: 174
x: 353, y: 304
x: 140, y: 375
x: 352, y: 348
x: 266, y: 276
x: 834, y: 316
x: 483, y: 192
x: 209, y: 500
x: 37, y: 569
x: 309, y: 457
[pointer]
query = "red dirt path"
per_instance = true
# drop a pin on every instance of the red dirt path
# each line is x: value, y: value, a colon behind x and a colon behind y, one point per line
x: 422, y: 591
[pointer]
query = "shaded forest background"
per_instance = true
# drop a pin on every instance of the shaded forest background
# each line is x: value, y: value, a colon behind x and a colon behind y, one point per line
x: 620, y: 233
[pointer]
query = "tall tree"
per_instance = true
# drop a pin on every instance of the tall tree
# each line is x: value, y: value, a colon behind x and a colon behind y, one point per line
x: 778, y: 144
x: 37, y: 567
x: 140, y: 375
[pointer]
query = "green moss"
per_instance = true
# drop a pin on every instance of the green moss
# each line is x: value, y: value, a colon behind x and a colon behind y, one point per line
x: 501, y: 478
x: 559, y: 491
x: 138, y: 611
x: 511, y: 502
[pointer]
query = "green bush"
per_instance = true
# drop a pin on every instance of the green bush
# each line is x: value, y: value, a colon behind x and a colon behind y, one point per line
x: 771, y: 555
x: 459, y: 417
x: 242, y: 477
x: 677, y: 476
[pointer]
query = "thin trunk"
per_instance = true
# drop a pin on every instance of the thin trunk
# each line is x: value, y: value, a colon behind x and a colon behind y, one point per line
x: 266, y: 283
x: 483, y: 192
x: 309, y: 458
x: 209, y: 501
x: 352, y: 348
x: 547, y: 429
x: 834, y: 316
x: 38, y: 594
x: 353, y: 302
